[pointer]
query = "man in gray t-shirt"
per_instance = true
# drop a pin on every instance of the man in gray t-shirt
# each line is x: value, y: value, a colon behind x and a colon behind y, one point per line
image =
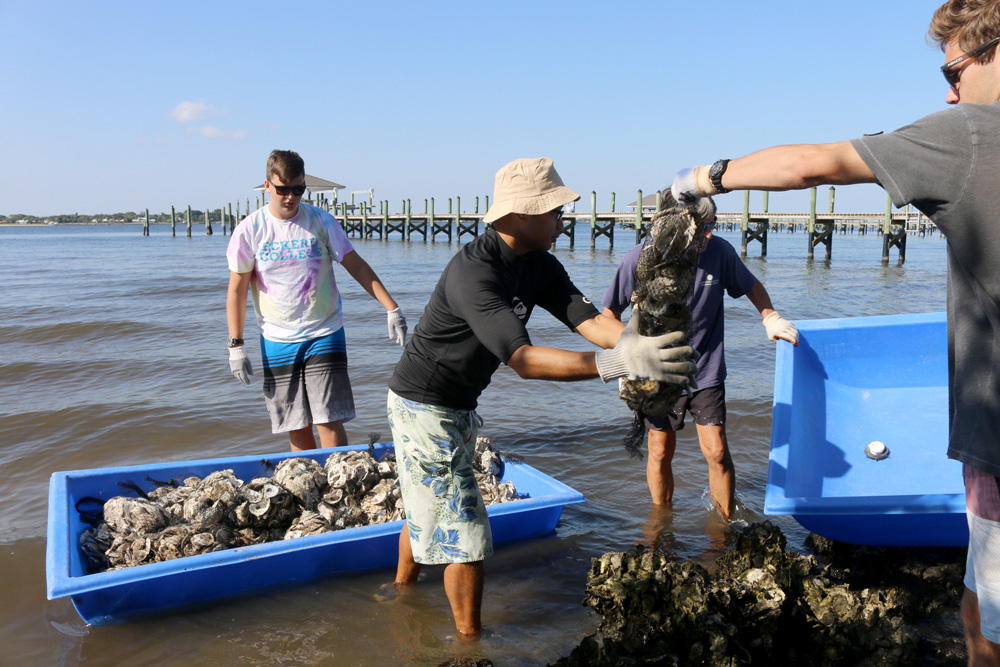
x: 948, y: 166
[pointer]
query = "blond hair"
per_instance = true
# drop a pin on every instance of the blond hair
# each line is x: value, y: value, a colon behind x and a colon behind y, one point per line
x: 968, y: 23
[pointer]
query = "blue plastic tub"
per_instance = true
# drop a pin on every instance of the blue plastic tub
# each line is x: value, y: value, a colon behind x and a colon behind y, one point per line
x: 104, y: 597
x: 849, y: 382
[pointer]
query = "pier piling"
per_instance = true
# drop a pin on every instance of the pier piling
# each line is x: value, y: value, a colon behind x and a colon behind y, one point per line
x: 891, y: 238
x: 753, y: 228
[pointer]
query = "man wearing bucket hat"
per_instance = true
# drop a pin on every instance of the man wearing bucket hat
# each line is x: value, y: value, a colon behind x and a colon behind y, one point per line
x: 946, y: 165
x: 475, y: 321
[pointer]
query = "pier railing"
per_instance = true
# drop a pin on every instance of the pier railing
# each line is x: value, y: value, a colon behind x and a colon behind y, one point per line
x: 362, y: 220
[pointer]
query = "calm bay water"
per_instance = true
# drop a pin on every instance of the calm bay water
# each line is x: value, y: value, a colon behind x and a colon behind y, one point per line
x: 112, y: 353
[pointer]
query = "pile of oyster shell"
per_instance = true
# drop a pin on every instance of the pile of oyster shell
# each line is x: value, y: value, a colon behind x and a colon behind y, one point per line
x: 221, y: 511
x: 759, y: 604
x: 664, y: 282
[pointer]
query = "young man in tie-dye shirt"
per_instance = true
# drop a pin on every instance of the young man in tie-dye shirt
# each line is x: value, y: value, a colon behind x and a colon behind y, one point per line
x: 283, y: 253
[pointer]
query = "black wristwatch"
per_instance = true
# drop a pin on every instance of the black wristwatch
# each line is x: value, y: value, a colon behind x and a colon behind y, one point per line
x: 715, y: 173
x: 233, y: 342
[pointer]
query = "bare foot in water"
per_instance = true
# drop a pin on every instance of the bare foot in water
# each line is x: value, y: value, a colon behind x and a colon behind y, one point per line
x: 392, y: 591
x: 468, y: 637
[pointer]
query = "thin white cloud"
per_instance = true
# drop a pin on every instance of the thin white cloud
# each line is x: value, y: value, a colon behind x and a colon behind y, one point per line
x: 210, y: 132
x: 273, y: 127
x: 188, y: 112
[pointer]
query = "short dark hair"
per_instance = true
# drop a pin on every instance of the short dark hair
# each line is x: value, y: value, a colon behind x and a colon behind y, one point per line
x: 286, y: 165
x: 969, y: 23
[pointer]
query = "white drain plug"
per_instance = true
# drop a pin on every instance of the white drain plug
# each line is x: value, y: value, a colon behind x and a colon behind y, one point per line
x: 876, y: 450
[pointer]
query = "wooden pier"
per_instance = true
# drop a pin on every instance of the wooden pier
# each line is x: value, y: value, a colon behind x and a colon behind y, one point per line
x: 363, y: 221
x: 755, y: 226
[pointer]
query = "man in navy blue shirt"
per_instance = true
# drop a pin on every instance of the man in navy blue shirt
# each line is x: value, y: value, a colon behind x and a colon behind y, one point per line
x: 719, y: 271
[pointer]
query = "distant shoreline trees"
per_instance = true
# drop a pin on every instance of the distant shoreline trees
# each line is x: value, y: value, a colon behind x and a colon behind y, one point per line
x: 127, y: 217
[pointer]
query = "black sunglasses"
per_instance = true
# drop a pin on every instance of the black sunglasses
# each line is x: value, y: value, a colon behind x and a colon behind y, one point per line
x: 285, y: 190
x: 950, y: 69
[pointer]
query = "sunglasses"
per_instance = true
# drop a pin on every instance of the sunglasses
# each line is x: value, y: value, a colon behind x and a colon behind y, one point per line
x: 285, y: 190
x: 950, y: 69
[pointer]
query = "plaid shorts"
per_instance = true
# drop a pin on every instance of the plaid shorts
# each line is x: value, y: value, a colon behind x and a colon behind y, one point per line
x: 445, y: 513
x: 306, y: 383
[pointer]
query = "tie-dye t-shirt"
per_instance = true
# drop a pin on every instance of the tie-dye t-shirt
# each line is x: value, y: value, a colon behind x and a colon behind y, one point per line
x: 294, y: 290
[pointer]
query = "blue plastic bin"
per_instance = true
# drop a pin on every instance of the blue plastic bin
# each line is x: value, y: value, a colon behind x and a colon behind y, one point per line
x: 850, y: 382
x: 107, y: 596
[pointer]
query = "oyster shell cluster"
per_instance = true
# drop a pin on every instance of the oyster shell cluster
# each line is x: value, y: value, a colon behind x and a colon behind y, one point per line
x: 761, y: 604
x: 221, y: 511
x: 664, y: 282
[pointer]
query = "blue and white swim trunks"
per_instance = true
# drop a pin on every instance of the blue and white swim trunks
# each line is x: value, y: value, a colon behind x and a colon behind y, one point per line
x: 307, y: 383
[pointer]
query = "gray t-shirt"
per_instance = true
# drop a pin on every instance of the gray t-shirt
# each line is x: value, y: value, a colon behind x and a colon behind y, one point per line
x: 948, y: 166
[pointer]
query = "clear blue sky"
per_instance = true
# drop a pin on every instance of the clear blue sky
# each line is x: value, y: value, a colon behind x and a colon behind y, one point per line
x: 113, y: 106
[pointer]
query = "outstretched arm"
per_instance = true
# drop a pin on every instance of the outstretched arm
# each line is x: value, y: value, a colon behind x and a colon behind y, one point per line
x: 635, y: 356
x: 601, y: 330
x: 532, y: 362
x: 789, y: 167
x: 798, y: 166
x: 367, y: 278
x: 549, y: 363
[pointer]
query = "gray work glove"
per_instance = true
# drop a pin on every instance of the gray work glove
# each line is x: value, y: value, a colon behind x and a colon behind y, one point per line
x: 648, y: 358
x: 778, y: 327
x: 397, y: 326
x: 239, y: 364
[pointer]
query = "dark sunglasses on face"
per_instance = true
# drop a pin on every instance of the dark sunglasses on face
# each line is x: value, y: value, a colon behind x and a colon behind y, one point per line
x: 559, y: 214
x: 285, y: 190
x: 952, y: 74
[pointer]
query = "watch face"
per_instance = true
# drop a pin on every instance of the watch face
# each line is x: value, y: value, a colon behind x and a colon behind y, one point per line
x: 715, y: 174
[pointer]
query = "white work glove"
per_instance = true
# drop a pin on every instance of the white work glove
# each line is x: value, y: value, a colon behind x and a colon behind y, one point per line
x: 397, y: 326
x: 239, y: 364
x: 648, y: 358
x: 691, y: 184
x: 778, y: 327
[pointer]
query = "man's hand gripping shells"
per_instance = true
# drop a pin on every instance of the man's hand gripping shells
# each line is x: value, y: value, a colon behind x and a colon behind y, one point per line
x: 648, y: 357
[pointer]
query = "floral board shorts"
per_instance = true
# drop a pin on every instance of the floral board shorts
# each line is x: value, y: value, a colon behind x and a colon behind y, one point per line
x: 445, y: 513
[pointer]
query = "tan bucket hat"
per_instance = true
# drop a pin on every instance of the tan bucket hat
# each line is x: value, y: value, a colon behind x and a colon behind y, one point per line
x: 530, y: 186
